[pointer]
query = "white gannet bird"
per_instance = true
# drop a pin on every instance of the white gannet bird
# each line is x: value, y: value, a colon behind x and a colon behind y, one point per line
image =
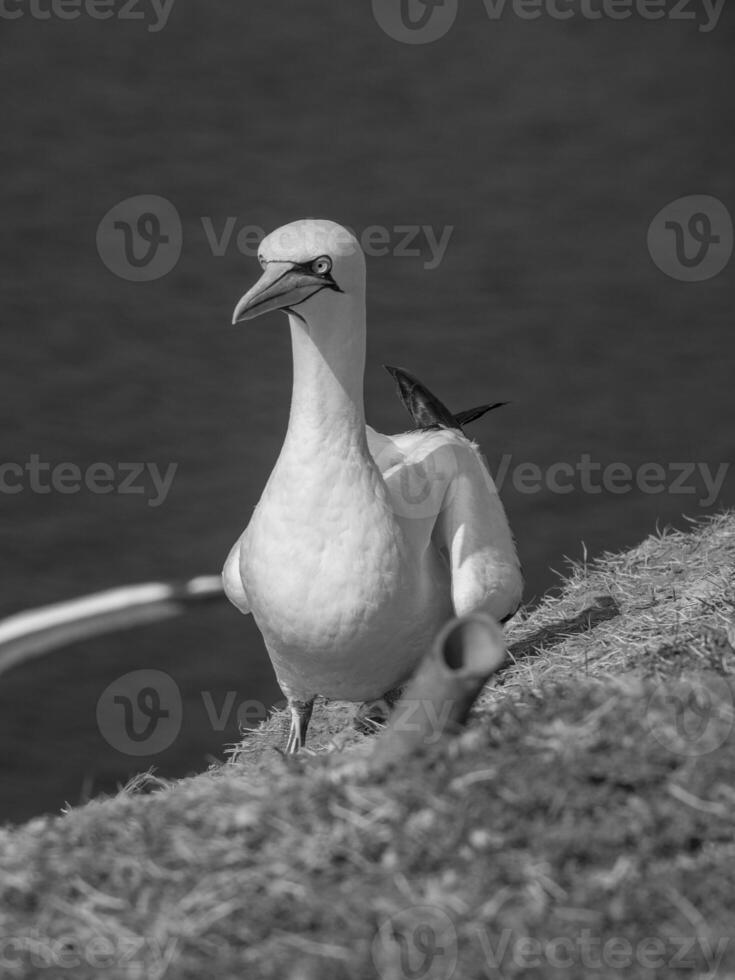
x: 362, y: 545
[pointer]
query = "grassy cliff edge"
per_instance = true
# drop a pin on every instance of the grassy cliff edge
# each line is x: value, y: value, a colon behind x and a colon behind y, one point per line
x: 582, y: 826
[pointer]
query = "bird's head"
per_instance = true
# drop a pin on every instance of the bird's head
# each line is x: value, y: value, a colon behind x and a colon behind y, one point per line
x: 310, y: 268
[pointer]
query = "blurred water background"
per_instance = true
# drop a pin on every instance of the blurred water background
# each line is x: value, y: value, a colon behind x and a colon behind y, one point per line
x: 547, y: 146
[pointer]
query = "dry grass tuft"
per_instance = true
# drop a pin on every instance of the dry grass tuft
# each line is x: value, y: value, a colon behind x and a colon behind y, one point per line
x: 580, y: 827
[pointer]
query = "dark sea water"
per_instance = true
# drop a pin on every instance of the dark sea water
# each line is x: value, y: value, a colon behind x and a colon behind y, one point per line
x: 548, y: 148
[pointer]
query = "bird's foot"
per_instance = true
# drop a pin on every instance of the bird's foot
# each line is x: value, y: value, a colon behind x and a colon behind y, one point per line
x: 300, y: 717
x: 372, y: 715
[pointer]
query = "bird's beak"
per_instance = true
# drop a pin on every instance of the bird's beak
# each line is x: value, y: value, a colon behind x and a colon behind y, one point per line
x: 281, y: 285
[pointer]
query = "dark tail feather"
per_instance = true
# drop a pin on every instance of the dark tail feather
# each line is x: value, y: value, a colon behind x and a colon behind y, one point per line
x: 425, y: 409
x: 475, y: 413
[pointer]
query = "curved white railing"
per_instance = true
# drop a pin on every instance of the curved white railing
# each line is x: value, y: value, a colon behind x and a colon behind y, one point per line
x: 38, y: 631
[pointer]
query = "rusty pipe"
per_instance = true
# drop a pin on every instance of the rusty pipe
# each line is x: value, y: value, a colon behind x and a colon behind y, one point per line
x: 438, y: 698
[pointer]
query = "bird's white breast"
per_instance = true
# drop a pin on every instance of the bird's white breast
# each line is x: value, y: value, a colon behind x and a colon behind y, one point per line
x: 344, y: 606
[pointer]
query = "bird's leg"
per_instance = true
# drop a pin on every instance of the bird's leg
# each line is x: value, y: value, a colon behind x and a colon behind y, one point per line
x: 300, y: 717
x: 371, y: 714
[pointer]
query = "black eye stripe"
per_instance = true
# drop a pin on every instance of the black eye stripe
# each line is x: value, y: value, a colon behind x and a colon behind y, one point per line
x: 307, y: 268
x: 304, y: 266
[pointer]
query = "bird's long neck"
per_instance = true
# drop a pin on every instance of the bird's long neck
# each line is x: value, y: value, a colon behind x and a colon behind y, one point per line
x: 327, y: 407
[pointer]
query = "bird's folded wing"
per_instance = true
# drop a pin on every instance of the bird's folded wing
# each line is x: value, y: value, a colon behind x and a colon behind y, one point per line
x: 439, y: 483
x: 232, y: 580
x: 473, y: 532
x: 383, y: 449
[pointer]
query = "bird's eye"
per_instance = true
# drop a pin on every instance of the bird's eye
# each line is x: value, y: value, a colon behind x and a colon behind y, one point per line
x: 322, y: 265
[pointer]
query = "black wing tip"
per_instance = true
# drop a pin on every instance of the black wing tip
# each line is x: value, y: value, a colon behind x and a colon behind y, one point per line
x: 426, y: 410
x: 472, y: 414
x: 397, y: 373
